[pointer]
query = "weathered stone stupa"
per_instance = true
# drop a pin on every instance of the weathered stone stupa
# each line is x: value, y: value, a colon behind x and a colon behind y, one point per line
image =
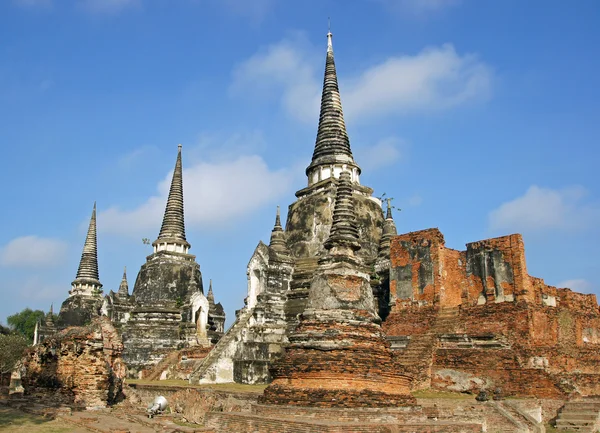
x: 85, y: 296
x: 280, y: 274
x: 167, y: 309
x: 338, y: 355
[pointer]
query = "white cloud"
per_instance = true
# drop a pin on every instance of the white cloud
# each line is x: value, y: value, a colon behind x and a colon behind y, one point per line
x: 386, y: 152
x: 286, y: 65
x: 108, y: 6
x: 437, y: 78
x: 578, y: 285
x: 544, y: 208
x: 214, y: 193
x: 33, y: 251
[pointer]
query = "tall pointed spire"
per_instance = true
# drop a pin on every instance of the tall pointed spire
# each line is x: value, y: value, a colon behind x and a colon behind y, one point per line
x: 87, y: 278
x: 50, y: 316
x: 277, y: 241
x: 172, y: 231
x: 124, y: 287
x: 344, y: 231
x: 388, y: 232
x: 332, y: 145
x: 210, y: 295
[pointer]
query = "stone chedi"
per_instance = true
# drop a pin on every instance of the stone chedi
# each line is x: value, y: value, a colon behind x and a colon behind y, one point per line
x: 44, y: 329
x: 338, y: 355
x: 85, y: 296
x: 280, y: 274
x: 167, y: 309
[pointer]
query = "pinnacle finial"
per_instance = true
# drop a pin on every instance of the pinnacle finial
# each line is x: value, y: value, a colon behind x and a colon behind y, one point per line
x: 277, y: 234
x: 344, y: 232
x: 173, y: 225
x: 278, y: 218
x: 332, y: 145
x: 87, y: 273
x: 49, y: 316
x: 389, y: 208
x: 329, y: 36
x: 210, y: 295
x: 124, y: 287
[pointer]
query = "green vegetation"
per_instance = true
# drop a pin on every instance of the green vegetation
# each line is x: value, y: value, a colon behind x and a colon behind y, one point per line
x: 11, y: 350
x: 24, y: 322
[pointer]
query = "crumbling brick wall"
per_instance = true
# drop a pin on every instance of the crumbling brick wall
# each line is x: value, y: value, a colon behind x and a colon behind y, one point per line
x: 507, y: 328
x: 82, y: 363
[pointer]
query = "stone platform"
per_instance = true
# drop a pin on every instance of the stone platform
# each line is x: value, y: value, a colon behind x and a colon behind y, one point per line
x: 286, y: 419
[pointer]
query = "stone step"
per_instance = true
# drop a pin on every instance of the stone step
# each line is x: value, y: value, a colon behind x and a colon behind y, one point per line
x: 574, y: 423
x: 569, y: 415
x: 582, y: 406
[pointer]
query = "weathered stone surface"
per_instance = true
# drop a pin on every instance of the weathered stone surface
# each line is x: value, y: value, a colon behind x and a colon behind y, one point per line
x: 79, y: 310
x: 475, y: 319
x: 338, y: 356
x: 82, y: 363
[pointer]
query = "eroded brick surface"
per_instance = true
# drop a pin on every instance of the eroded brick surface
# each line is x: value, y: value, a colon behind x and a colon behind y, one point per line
x: 475, y: 319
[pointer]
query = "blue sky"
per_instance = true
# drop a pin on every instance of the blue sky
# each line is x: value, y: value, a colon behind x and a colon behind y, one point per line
x: 478, y: 117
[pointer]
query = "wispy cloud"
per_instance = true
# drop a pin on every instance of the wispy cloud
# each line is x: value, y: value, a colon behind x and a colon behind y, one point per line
x: 578, y: 284
x: 33, y: 251
x: 216, y: 192
x: 544, y: 208
x: 437, y: 78
x: 383, y: 153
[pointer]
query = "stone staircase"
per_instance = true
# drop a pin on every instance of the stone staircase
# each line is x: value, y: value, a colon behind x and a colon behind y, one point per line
x: 579, y: 416
x: 417, y: 357
x: 224, y: 349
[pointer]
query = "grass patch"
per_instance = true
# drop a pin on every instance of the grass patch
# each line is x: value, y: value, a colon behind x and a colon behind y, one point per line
x: 227, y: 387
x: 15, y: 421
x: 430, y: 393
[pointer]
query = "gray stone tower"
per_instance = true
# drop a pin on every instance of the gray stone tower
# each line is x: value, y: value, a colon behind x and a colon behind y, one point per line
x: 85, y: 296
x: 167, y: 309
x: 280, y: 274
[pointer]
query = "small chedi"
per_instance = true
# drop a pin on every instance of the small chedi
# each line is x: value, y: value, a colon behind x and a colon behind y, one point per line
x: 167, y: 309
x: 338, y: 355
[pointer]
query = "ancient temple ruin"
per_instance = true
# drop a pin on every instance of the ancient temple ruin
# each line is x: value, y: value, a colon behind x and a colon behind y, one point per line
x: 167, y: 309
x: 456, y: 320
x: 280, y: 274
x: 338, y: 356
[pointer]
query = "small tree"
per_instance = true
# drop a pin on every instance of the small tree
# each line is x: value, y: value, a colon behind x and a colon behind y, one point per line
x: 24, y: 322
x: 12, y: 348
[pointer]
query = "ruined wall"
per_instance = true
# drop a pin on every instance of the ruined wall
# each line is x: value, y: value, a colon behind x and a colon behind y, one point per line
x: 507, y: 329
x: 83, y: 364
